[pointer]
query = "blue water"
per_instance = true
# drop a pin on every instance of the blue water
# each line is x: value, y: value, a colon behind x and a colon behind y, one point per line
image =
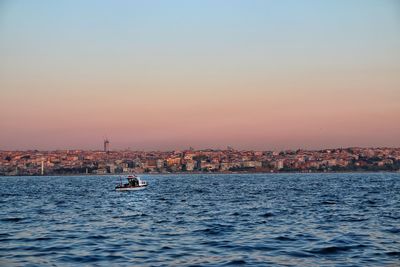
x: 202, y: 220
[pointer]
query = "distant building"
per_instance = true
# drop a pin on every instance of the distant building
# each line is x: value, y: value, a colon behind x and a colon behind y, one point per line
x: 278, y: 164
x: 190, y: 165
x: 106, y: 145
x: 160, y: 163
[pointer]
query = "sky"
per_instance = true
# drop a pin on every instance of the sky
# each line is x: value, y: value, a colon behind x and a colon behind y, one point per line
x: 163, y: 75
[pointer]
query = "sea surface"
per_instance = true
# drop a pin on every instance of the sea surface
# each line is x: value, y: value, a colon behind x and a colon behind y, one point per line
x: 202, y: 220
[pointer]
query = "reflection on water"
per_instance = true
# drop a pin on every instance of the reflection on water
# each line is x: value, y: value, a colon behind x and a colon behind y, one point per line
x: 287, y: 219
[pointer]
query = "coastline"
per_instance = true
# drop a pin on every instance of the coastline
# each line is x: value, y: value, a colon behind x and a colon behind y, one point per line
x: 199, y: 173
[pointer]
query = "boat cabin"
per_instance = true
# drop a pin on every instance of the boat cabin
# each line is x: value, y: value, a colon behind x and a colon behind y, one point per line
x: 133, y: 181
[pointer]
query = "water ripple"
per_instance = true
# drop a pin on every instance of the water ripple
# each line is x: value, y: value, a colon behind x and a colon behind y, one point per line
x: 202, y: 220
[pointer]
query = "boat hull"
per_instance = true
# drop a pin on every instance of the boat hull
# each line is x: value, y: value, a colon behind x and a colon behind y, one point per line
x: 130, y: 188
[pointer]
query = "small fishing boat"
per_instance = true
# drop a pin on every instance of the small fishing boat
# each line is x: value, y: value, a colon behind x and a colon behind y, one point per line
x: 134, y: 183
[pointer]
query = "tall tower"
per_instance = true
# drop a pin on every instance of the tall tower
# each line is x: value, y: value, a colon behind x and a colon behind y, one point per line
x: 106, y: 145
x: 42, y: 168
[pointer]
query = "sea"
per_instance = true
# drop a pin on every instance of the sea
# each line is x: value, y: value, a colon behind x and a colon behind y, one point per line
x: 336, y: 219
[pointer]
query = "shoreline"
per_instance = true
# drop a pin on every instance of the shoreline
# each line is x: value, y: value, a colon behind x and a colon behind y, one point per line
x: 197, y: 173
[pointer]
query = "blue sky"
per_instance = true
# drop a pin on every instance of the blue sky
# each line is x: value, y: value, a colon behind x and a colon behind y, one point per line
x: 182, y: 56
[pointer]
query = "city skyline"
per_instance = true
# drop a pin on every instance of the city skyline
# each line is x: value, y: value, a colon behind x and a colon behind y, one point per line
x: 108, y: 148
x: 258, y: 75
x: 198, y: 161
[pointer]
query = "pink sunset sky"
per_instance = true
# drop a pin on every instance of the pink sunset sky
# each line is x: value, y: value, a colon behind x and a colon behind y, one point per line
x: 172, y: 74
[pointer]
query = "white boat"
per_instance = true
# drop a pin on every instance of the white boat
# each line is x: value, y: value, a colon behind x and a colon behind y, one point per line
x: 134, y: 183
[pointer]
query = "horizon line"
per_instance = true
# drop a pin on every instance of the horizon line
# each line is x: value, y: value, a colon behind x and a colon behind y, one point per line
x: 202, y: 149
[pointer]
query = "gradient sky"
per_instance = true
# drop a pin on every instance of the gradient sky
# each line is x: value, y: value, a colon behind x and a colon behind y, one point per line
x: 172, y: 74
